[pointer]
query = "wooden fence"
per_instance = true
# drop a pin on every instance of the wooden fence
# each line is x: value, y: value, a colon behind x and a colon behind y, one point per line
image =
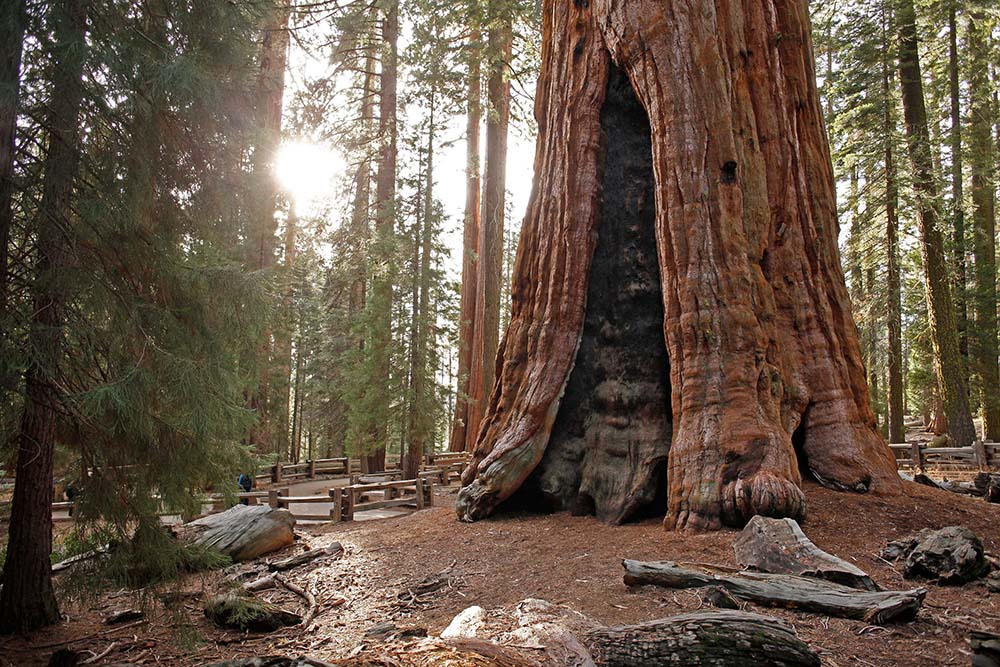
x: 451, y: 462
x: 980, y: 456
x: 439, y: 469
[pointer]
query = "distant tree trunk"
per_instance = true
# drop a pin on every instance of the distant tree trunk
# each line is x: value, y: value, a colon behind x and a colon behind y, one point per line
x: 385, y: 204
x: 470, y: 250
x: 27, y: 600
x: 420, y: 426
x: 360, y: 209
x: 709, y: 212
x: 261, y: 251
x: 982, y: 153
x: 897, y: 431
x: 413, y: 417
x: 940, y: 308
x: 486, y: 333
x: 11, y: 44
x: 293, y: 448
x: 286, y: 327
x: 957, y: 197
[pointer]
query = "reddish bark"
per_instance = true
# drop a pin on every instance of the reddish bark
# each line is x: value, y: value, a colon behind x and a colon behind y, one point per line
x: 470, y: 250
x: 762, y: 348
x: 486, y: 330
x: 27, y: 599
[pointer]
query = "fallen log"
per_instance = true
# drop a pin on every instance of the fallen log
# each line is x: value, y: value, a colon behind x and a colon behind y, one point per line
x: 272, y: 661
x: 985, y: 648
x: 702, y: 638
x: 779, y: 546
x: 243, y: 532
x: 785, y: 590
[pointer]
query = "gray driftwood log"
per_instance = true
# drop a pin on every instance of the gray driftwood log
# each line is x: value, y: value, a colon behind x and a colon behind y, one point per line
x: 734, y: 638
x: 985, y: 648
x: 779, y: 546
x: 243, y: 532
x: 785, y: 590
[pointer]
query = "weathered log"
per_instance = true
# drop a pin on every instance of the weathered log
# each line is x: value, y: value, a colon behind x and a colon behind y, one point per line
x: 985, y: 648
x: 779, y: 546
x: 718, y: 638
x: 951, y: 555
x: 272, y: 661
x: 243, y: 532
x: 785, y: 590
x: 334, y: 549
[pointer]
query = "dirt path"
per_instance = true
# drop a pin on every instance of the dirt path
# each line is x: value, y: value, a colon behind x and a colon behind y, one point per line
x: 569, y: 560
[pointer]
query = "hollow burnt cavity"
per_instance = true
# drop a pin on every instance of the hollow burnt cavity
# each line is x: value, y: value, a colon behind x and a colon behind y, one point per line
x: 608, y: 450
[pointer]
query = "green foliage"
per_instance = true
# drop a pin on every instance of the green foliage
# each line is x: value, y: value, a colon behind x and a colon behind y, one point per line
x: 149, y: 559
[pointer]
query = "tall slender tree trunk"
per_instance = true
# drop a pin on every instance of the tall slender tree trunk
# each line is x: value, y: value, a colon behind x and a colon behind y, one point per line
x: 982, y: 156
x: 385, y: 204
x: 361, y: 208
x: 261, y: 250
x: 422, y: 427
x: 11, y: 44
x: 27, y: 600
x: 413, y: 413
x: 957, y: 196
x: 949, y: 364
x: 486, y: 334
x: 285, y: 329
x: 897, y: 432
x: 459, y: 439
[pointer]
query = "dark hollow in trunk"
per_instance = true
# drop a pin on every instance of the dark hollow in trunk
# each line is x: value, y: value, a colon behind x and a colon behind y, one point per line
x: 611, y: 436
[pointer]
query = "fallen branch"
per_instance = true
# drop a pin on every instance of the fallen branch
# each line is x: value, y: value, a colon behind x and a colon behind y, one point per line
x: 304, y: 594
x: 334, y: 549
x: 784, y: 590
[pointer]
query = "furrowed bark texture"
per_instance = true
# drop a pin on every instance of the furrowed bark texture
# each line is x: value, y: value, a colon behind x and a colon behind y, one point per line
x: 470, y: 248
x: 27, y: 599
x: 757, y: 326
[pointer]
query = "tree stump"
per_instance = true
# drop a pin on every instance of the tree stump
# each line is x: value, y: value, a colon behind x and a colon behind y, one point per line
x: 779, y: 546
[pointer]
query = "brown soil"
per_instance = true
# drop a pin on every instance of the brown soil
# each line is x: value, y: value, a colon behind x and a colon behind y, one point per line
x: 569, y: 560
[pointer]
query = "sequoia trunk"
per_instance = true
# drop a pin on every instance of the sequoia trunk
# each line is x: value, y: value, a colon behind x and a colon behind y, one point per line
x: 724, y: 216
x: 949, y: 363
x: 470, y: 246
x: 385, y: 204
x: 490, y: 246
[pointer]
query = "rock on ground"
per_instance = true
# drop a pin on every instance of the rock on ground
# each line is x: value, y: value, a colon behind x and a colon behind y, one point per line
x: 951, y: 555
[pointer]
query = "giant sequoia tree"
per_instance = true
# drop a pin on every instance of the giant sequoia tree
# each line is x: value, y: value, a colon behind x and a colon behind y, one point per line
x: 681, y: 334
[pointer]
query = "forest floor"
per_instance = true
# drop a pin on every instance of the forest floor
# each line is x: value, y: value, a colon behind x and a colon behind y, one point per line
x: 574, y: 561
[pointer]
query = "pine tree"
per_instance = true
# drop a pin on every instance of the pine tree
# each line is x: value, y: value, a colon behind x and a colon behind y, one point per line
x: 27, y: 600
